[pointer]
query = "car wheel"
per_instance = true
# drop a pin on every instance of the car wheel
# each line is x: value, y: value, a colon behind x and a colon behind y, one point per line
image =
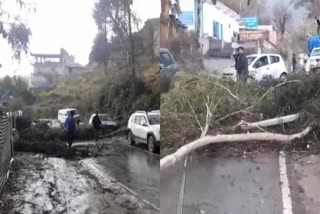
x: 283, y: 77
x: 152, y: 144
x: 130, y: 138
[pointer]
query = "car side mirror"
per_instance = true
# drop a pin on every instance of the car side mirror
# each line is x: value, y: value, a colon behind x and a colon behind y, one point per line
x: 144, y: 124
x: 161, y: 66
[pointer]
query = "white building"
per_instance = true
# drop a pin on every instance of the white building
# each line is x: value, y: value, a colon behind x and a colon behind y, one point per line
x: 217, y: 21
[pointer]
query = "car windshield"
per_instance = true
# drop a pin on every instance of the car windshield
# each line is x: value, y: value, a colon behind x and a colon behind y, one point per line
x: 76, y: 112
x: 154, y: 119
x: 251, y: 59
x: 105, y: 118
x: 315, y: 52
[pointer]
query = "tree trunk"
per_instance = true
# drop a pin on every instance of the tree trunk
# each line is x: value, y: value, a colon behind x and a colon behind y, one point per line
x: 132, y: 57
x: 186, y: 149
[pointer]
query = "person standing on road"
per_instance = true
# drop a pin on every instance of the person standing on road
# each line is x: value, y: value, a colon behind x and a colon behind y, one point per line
x: 294, y: 62
x: 235, y: 57
x: 96, y: 122
x: 70, y: 124
x: 318, y: 24
x: 242, y: 65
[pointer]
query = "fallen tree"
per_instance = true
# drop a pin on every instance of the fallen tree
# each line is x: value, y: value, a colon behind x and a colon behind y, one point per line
x: 184, y: 150
x: 207, y: 108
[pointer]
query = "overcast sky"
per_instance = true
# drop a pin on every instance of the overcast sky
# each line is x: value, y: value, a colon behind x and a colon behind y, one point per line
x: 64, y: 24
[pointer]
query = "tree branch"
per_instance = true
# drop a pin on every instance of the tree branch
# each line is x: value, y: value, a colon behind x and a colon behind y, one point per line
x: 257, y: 102
x: 185, y: 150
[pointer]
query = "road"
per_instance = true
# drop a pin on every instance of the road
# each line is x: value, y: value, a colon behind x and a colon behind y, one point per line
x: 124, y: 179
x: 227, y: 185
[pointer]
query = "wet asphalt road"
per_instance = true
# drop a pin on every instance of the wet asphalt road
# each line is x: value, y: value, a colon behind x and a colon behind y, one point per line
x: 132, y: 166
x: 224, y: 186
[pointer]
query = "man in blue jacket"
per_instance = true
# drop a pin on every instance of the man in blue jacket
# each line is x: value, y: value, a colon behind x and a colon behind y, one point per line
x: 70, y: 124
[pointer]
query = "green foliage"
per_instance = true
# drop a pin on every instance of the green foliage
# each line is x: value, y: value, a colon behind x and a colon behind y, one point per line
x: 18, y: 89
x: 16, y: 33
x: 124, y: 95
x: 100, y: 52
x: 23, y: 123
x: 165, y: 83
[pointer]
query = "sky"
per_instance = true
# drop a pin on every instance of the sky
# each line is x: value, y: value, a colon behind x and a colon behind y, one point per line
x: 64, y: 24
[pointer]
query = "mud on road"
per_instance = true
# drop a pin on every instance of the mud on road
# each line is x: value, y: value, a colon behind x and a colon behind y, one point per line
x: 38, y: 184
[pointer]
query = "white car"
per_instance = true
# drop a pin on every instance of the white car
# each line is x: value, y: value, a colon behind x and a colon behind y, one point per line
x: 144, y: 127
x: 106, y: 120
x: 313, y: 63
x: 259, y: 66
x: 63, y: 114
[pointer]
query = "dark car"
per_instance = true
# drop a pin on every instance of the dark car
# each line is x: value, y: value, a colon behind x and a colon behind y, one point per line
x: 168, y: 64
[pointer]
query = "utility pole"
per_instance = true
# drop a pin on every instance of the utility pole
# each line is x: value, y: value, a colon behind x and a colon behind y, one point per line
x: 132, y: 58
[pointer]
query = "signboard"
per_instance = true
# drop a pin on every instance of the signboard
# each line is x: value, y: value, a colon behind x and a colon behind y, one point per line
x: 251, y: 22
x: 186, y: 18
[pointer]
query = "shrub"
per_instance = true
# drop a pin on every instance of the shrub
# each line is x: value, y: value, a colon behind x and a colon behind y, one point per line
x: 124, y: 95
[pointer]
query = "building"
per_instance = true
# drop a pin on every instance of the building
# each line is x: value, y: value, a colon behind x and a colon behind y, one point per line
x: 265, y: 32
x: 170, y: 26
x: 57, y: 64
x: 46, y: 67
x: 215, y: 20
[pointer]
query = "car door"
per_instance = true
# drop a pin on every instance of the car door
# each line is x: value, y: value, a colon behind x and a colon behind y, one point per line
x: 261, y: 68
x: 135, y: 126
x: 275, y: 67
x: 143, y: 129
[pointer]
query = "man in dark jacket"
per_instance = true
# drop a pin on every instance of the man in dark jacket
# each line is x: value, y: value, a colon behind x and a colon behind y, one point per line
x: 235, y: 57
x: 294, y: 62
x: 96, y: 122
x: 242, y: 65
x: 318, y: 24
x: 70, y: 124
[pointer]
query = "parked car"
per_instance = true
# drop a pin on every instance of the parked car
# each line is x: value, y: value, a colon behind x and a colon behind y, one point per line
x: 144, y: 127
x: 168, y: 64
x: 106, y: 120
x: 260, y: 66
x: 313, y: 63
x: 63, y: 114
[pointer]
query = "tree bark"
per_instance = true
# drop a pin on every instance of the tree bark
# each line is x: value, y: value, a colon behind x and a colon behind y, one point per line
x: 271, y: 122
x: 184, y: 150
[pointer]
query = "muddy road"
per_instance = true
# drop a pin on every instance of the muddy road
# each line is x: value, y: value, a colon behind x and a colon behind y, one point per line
x: 123, y: 179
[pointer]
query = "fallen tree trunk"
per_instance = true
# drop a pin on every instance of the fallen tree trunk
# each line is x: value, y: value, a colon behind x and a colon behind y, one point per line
x: 271, y: 122
x: 184, y: 150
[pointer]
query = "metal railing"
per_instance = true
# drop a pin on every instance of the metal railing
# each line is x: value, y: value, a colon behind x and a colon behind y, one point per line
x: 6, y: 148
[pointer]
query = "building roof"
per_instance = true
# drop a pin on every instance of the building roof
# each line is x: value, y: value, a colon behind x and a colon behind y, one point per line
x: 226, y: 10
x: 46, y: 55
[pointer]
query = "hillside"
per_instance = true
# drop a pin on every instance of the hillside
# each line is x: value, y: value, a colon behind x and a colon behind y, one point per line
x: 83, y: 91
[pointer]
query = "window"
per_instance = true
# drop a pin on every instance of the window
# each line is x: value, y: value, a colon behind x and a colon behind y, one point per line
x: 251, y: 59
x: 274, y: 59
x: 137, y: 120
x: 216, y: 30
x: 154, y: 119
x: 262, y: 61
x: 143, y: 121
x: 165, y: 59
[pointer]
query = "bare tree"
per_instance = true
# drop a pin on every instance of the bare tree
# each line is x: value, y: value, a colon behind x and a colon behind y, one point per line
x: 282, y: 16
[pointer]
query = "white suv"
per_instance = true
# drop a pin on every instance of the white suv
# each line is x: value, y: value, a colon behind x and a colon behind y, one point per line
x: 261, y: 65
x: 313, y: 64
x: 145, y: 127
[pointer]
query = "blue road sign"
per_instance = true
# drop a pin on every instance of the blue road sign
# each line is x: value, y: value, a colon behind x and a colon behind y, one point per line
x: 250, y: 22
x: 186, y: 18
